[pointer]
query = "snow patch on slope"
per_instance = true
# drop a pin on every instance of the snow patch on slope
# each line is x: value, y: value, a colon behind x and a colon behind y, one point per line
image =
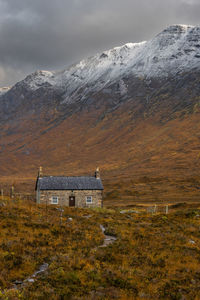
x: 39, y: 79
x: 174, y: 50
x: 98, y: 71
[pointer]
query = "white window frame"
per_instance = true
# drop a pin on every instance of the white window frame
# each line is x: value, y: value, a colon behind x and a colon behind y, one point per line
x: 54, y: 198
x: 88, y: 199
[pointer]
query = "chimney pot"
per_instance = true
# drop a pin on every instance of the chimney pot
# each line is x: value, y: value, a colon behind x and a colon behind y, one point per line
x: 97, y: 173
x: 40, y: 172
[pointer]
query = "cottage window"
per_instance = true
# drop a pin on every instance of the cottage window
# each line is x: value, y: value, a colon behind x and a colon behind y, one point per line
x: 89, y: 199
x: 54, y: 200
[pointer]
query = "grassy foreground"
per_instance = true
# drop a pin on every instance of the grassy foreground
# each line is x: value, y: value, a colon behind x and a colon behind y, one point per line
x: 154, y: 256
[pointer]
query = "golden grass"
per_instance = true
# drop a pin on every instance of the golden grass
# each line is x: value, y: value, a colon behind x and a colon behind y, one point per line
x: 154, y: 256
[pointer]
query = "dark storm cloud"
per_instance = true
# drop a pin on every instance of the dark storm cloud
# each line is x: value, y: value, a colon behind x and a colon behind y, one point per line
x: 47, y: 34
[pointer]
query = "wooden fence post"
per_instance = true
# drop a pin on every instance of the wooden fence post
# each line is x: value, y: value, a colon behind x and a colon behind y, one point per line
x: 12, y: 191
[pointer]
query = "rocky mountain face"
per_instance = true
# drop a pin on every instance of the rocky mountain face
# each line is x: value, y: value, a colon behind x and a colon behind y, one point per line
x: 134, y: 110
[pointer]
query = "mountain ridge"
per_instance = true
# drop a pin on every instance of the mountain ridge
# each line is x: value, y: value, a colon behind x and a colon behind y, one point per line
x: 175, y: 35
x: 172, y: 52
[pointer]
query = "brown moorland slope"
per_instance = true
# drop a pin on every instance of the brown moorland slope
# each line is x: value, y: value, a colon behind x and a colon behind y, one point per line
x: 143, y: 157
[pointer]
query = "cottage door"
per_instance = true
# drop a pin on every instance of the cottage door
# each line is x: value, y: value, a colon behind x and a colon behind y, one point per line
x: 71, y: 201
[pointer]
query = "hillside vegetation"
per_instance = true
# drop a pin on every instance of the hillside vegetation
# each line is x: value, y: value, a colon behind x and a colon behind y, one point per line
x: 155, y: 256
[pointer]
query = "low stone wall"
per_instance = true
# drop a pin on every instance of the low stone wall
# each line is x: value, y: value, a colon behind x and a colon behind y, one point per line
x: 80, y: 197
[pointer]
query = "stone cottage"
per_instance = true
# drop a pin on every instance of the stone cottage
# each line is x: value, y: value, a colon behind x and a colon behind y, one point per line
x: 83, y: 191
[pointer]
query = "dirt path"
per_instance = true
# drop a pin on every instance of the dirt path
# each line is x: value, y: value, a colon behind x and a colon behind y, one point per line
x: 108, y: 239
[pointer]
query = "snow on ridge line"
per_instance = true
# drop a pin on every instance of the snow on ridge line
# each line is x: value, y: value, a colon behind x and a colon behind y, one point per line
x: 174, y: 49
x: 160, y: 56
x: 88, y: 69
x: 127, y: 45
x: 183, y: 26
x: 4, y: 90
x: 40, y: 77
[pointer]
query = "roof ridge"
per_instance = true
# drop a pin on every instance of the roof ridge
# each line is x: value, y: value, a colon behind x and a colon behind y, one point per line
x: 68, y: 176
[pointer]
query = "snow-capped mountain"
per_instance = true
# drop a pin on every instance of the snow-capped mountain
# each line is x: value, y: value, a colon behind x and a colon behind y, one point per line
x: 174, y: 50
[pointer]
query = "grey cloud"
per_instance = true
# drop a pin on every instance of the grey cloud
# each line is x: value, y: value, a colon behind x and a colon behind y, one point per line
x: 47, y: 34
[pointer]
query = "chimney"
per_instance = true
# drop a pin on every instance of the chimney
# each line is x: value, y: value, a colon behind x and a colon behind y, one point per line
x: 40, y: 172
x: 97, y: 173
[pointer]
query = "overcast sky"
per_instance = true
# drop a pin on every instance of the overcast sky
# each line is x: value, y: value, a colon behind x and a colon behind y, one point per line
x: 50, y: 35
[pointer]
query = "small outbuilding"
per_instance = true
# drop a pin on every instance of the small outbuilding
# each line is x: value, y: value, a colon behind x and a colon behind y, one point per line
x: 81, y: 191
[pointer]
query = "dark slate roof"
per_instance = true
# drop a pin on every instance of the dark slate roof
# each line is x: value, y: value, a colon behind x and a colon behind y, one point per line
x: 68, y: 183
